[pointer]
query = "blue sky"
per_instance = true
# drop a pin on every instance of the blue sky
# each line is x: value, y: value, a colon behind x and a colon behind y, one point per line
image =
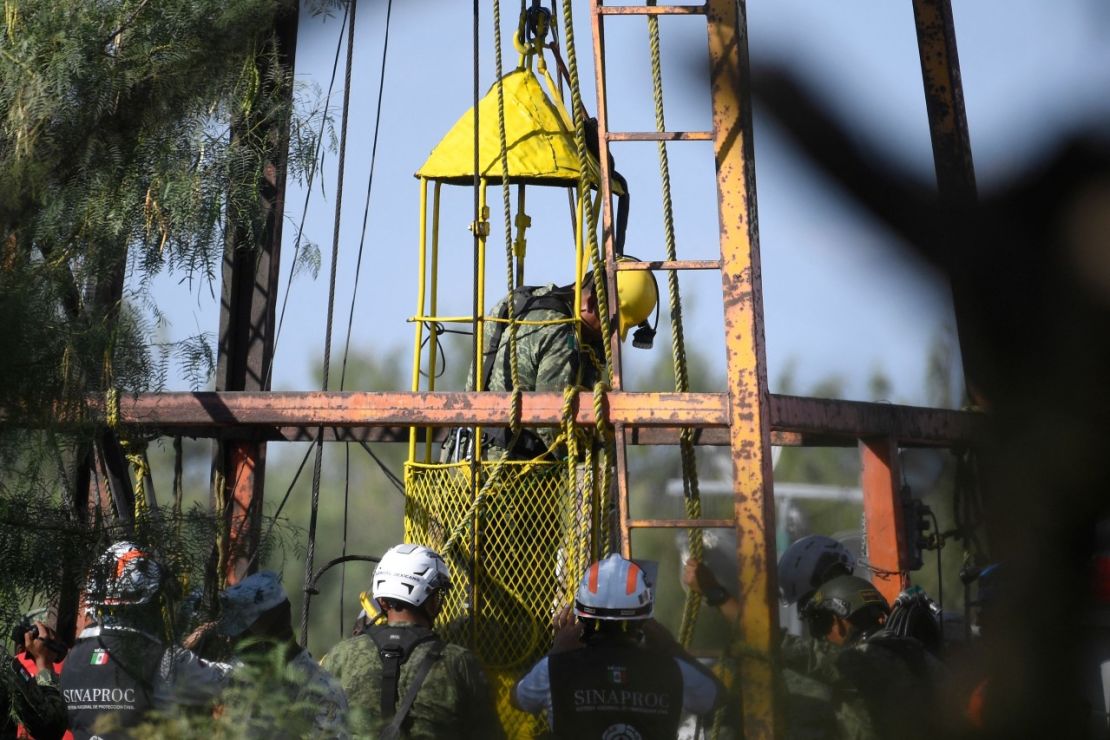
x: 840, y: 297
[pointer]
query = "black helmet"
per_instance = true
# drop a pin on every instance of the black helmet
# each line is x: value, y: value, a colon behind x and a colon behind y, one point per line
x: 846, y: 597
x: 808, y: 563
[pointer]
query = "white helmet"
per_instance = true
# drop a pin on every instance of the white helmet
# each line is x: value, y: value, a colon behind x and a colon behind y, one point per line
x: 614, y: 589
x: 410, y: 573
x: 810, y: 562
x: 124, y: 576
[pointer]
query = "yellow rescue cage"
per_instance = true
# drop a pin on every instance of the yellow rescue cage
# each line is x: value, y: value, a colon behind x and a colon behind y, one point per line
x: 517, y: 534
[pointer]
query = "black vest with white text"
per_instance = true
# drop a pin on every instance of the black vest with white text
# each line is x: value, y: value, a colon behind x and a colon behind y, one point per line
x: 615, y: 691
x: 110, y: 674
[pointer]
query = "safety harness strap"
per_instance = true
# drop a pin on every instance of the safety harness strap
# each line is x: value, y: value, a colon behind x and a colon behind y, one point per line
x: 395, y: 645
x: 392, y: 731
x: 523, y: 301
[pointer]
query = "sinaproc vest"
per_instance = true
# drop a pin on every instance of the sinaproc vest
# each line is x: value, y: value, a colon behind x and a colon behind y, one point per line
x: 110, y: 674
x: 615, y: 691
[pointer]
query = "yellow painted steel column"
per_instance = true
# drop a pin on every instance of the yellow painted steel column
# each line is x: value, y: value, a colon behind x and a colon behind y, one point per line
x: 423, y: 278
x: 757, y: 638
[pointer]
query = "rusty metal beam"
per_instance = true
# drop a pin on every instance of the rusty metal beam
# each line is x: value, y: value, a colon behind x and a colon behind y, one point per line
x: 670, y: 265
x: 251, y: 272
x: 652, y: 417
x: 882, y: 509
x: 955, y: 168
x: 659, y: 136
x: 652, y: 10
x: 749, y: 409
x: 944, y: 99
x: 910, y: 425
x: 208, y: 410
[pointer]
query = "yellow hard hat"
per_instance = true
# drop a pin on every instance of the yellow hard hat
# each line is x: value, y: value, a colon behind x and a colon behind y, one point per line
x: 637, y: 295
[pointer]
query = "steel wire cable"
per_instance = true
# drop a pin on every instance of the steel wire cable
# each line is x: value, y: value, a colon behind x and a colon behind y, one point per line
x: 318, y: 463
x: 351, y: 313
x: 307, y: 196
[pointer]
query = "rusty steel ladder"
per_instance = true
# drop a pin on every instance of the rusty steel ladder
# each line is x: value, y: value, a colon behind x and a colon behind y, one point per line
x: 749, y: 429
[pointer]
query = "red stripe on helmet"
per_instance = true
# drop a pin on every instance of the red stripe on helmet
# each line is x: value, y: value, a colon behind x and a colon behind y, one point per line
x: 124, y: 559
x: 592, y: 583
x: 630, y: 583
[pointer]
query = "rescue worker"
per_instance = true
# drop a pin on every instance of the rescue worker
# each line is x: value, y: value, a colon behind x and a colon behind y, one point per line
x: 616, y: 673
x: 552, y: 357
x: 401, y: 679
x: 883, y: 684
x: 804, y: 566
x: 120, y: 668
x: 33, y: 701
x: 256, y: 613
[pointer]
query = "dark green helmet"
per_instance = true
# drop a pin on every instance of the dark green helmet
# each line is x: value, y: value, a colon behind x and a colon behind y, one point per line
x: 846, y: 596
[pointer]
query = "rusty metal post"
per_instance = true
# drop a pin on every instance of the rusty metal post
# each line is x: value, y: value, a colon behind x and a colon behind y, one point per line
x: 955, y: 169
x: 749, y: 420
x: 247, y: 319
x: 882, y: 510
x: 608, y: 235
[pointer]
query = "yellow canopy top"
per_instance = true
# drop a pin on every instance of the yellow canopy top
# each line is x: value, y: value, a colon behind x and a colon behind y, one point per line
x: 538, y: 133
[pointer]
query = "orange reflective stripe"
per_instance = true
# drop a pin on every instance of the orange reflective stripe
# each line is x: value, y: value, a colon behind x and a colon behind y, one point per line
x: 630, y: 583
x: 126, y: 558
x: 592, y: 583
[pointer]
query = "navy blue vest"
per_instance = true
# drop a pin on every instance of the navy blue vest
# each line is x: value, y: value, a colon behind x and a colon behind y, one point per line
x: 615, y: 691
x: 112, y: 675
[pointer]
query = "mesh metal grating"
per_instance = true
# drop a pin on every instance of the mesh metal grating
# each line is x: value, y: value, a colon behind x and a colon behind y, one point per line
x: 514, y: 559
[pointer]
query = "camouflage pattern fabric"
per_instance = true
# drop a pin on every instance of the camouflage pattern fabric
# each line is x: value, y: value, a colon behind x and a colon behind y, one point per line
x: 548, y: 357
x: 454, y: 703
x: 879, y: 687
x: 37, y: 704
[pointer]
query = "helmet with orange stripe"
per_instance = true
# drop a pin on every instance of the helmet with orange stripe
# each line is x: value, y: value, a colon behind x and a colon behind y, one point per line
x: 124, y: 576
x: 614, y: 589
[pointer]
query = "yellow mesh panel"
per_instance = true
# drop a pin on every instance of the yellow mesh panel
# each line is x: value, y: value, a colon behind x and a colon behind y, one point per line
x: 532, y: 537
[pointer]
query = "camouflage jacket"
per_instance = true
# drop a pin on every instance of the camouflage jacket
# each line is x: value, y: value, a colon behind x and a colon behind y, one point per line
x: 36, y: 703
x: 880, y: 687
x: 454, y: 702
x: 549, y: 357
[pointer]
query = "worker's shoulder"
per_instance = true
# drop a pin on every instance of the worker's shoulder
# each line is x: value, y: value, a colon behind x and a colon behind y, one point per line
x: 357, y: 649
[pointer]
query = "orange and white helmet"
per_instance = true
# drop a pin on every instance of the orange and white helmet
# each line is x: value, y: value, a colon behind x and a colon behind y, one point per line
x: 124, y: 576
x: 614, y: 589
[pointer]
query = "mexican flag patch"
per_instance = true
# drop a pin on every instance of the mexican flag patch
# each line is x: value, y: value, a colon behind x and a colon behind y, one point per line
x: 99, y: 657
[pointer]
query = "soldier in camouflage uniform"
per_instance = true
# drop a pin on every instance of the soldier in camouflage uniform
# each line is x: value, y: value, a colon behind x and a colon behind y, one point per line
x: 402, y: 681
x: 257, y: 614
x: 35, y: 701
x: 882, y: 685
x: 553, y: 356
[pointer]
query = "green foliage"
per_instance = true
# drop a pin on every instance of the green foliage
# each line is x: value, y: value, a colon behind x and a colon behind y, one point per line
x: 130, y: 133
x: 133, y: 134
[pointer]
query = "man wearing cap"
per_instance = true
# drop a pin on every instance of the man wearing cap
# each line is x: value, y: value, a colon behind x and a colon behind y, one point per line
x: 401, y: 679
x: 258, y: 616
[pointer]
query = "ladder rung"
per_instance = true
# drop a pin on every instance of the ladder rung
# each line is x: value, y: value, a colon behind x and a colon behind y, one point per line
x: 659, y: 135
x: 651, y: 9
x: 681, y: 523
x: 671, y: 265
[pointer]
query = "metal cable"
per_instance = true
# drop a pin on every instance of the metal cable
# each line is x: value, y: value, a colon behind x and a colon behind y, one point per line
x: 318, y: 463
x: 307, y: 196
x: 351, y: 313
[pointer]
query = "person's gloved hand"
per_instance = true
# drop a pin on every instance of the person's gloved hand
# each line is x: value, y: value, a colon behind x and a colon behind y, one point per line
x: 698, y: 578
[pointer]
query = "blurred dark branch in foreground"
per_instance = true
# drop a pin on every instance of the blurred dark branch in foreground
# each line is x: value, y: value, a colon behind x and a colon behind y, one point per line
x: 1030, y: 264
